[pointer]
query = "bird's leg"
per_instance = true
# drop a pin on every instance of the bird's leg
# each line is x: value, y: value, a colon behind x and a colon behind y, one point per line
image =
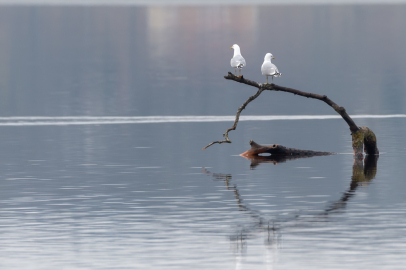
x: 239, y: 73
x: 266, y: 79
x: 272, y: 80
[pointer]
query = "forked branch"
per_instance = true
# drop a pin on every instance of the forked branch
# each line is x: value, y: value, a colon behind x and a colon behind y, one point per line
x: 273, y: 87
x: 237, y: 118
x: 360, y: 136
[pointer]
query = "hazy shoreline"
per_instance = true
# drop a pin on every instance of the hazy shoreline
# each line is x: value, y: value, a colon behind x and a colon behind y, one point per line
x: 195, y: 2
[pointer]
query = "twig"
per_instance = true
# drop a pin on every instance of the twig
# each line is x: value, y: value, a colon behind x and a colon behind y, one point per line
x: 237, y: 117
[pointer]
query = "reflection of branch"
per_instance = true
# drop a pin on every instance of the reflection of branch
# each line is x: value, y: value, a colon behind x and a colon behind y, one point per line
x: 244, y: 233
x: 362, y: 175
x: 219, y: 176
x: 226, y: 178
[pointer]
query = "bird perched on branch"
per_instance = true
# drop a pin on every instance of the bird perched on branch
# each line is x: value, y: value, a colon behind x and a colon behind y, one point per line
x: 269, y: 69
x: 237, y: 61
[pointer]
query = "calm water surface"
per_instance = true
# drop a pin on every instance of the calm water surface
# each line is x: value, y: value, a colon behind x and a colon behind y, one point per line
x: 85, y: 186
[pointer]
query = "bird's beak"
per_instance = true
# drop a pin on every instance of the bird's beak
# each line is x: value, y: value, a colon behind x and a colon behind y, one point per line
x: 273, y: 57
x: 231, y: 47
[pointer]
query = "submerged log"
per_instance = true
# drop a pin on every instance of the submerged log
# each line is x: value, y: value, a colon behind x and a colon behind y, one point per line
x: 279, y: 150
x: 361, y: 136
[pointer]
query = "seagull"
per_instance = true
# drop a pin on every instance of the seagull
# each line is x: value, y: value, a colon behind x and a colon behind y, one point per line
x: 237, y: 61
x: 269, y: 69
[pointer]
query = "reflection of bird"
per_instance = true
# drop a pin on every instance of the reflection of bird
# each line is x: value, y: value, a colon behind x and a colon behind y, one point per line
x: 269, y: 69
x: 237, y: 61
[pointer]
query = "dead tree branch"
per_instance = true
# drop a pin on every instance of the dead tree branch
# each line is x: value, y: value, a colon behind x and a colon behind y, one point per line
x: 273, y: 87
x: 237, y: 118
x: 360, y: 135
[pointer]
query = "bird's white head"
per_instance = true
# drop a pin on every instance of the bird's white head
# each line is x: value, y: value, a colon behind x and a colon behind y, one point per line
x: 236, y: 49
x: 269, y: 56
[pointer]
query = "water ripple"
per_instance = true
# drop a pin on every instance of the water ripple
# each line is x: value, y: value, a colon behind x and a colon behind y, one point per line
x: 109, y: 120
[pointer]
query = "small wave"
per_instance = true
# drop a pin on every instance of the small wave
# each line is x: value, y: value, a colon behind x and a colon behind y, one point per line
x: 109, y: 120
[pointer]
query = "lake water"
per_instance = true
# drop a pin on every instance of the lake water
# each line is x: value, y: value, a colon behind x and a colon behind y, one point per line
x: 90, y: 180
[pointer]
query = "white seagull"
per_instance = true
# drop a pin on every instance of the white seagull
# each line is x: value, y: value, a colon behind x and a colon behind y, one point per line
x: 269, y: 69
x: 237, y: 61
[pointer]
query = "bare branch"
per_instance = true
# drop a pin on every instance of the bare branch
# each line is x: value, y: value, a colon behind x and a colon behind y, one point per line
x: 219, y: 142
x: 273, y: 87
x: 360, y: 136
x: 237, y: 117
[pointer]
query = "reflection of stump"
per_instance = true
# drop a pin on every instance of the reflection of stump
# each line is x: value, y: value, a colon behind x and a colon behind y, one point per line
x: 363, y: 173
